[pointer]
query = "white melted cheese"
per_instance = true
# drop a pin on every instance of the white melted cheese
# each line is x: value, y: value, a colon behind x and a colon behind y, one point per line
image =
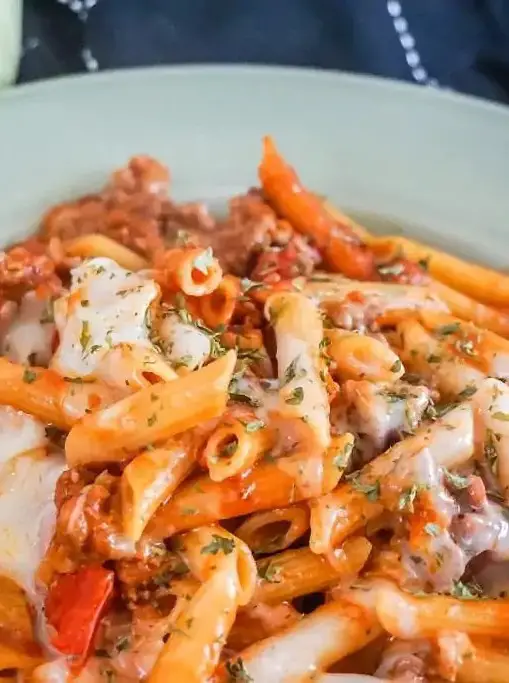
x: 27, y: 484
x: 28, y: 338
x: 107, y: 306
x: 185, y: 345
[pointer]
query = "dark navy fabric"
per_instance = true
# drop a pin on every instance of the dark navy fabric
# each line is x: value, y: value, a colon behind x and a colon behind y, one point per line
x: 459, y: 44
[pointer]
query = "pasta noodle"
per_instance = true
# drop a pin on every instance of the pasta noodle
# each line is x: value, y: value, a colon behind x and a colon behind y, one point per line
x: 151, y: 414
x: 91, y: 246
x: 274, y: 530
x: 193, y: 271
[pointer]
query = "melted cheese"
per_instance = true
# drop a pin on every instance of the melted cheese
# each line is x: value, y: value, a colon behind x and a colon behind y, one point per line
x: 107, y: 306
x: 185, y: 345
x: 27, y: 485
x: 27, y: 339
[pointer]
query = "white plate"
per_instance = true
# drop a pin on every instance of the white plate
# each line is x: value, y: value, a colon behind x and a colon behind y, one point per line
x: 431, y: 162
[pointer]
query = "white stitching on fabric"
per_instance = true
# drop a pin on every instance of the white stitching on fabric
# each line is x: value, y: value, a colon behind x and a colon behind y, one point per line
x: 413, y: 58
x: 82, y: 8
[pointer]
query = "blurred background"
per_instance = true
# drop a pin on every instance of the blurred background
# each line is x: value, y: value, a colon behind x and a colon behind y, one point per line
x: 458, y: 44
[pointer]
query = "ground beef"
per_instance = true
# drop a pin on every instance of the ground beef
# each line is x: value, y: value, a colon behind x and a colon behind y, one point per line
x: 26, y: 267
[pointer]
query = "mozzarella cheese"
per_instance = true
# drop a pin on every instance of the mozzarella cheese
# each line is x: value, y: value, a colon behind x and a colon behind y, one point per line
x: 28, y: 336
x: 27, y: 485
x: 185, y: 345
x: 107, y: 306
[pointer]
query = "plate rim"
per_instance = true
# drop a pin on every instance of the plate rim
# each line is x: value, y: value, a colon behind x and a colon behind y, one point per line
x: 66, y: 82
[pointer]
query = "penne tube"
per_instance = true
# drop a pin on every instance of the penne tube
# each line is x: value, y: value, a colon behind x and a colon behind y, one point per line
x: 152, y: 414
x: 192, y: 652
x: 358, y: 356
x: 449, y: 441
x: 96, y: 245
x: 294, y: 573
x: 343, y: 250
x: 50, y: 397
x: 313, y: 644
x: 481, y: 348
x: 469, y: 309
x: 218, y: 307
x: 192, y: 270
x: 482, y: 284
x: 427, y: 356
x: 129, y: 368
x: 407, y: 616
x: 274, y: 530
x: 18, y: 648
x: 150, y: 478
x: 299, y: 332
x: 235, y: 445
x: 277, y: 483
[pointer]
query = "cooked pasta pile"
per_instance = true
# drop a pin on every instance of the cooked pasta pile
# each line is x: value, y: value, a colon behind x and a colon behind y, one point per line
x: 266, y: 448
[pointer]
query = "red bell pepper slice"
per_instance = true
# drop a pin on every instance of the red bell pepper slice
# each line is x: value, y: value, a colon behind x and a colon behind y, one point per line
x: 74, y: 607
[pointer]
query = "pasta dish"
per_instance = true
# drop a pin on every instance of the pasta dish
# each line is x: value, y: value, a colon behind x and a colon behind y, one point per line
x: 267, y: 447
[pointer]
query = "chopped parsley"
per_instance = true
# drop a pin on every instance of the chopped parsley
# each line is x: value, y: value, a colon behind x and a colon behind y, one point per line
x: 295, y: 397
x: 29, y: 376
x: 246, y: 285
x: 342, y: 457
x: 465, y: 346
x: 122, y: 644
x: 270, y: 572
x: 467, y: 392
x: 253, y: 426
x: 85, y: 337
x: 85, y: 303
x: 218, y: 544
x: 446, y: 330
x: 407, y: 498
x: 434, y: 358
x: 457, y: 481
x: 237, y: 672
x: 371, y: 491
x: 240, y: 397
x: 292, y: 372
x: 490, y: 449
x: 396, y: 366
x: 204, y: 261
x: 498, y: 415
x: 466, y: 591
x: 152, y: 420
x: 182, y: 362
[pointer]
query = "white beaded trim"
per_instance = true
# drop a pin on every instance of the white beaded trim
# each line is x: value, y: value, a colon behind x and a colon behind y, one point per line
x: 413, y: 58
x: 82, y: 8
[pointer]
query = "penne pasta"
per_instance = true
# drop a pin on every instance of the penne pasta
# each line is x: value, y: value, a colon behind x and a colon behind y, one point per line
x: 406, y: 616
x: 343, y: 251
x: 482, y: 284
x: 150, y: 478
x: 274, y: 530
x: 321, y: 638
x: 235, y: 445
x: 486, y: 665
x: 275, y: 483
x: 96, y: 245
x: 342, y: 219
x: 466, y: 308
x: 357, y: 356
x: 218, y: 307
x: 151, y: 415
x: 299, y: 332
x: 258, y: 621
x: 50, y: 397
x: 353, y: 504
x: 294, y: 573
x: 192, y: 651
x: 193, y: 271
